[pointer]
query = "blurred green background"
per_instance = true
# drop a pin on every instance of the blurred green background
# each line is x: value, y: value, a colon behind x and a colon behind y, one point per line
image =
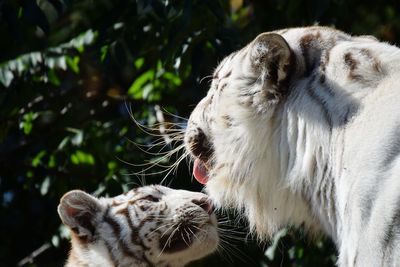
x: 71, y: 73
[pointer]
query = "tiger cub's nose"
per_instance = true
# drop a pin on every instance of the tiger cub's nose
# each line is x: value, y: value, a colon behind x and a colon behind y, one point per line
x: 205, y: 204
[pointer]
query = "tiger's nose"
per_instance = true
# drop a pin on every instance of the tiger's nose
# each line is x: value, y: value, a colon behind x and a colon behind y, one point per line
x: 205, y: 204
x: 198, y: 144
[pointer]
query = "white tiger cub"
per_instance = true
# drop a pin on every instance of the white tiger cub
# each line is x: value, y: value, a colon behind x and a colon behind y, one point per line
x: 147, y: 226
x: 302, y: 127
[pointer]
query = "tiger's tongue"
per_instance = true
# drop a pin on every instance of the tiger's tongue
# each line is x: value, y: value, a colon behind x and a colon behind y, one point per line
x: 200, y: 171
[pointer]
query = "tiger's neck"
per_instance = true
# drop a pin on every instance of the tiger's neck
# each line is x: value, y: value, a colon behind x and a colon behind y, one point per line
x: 108, y: 254
x: 88, y: 254
x: 95, y: 254
x: 307, y: 135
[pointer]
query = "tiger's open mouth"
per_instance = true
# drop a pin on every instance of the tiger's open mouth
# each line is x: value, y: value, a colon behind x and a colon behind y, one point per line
x: 180, y: 239
x: 200, y: 171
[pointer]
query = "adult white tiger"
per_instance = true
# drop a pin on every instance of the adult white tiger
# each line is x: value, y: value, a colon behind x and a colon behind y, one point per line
x: 302, y: 127
x: 145, y: 227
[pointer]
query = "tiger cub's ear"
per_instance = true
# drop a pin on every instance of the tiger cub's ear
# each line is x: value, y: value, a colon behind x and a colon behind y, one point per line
x: 270, y: 58
x: 78, y: 211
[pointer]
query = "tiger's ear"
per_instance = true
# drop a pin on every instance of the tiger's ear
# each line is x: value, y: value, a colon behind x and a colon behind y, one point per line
x: 78, y: 211
x: 270, y: 58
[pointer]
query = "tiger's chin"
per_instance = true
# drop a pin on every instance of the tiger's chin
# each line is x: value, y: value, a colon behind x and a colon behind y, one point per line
x: 219, y: 183
x: 267, y: 210
x: 190, y: 241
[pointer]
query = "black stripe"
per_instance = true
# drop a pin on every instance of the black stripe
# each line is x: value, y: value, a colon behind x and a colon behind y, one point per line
x: 393, y: 149
x: 368, y: 202
x: 112, y: 256
x: 391, y: 231
x: 331, y: 197
x: 134, y: 231
x: 112, y: 223
x: 309, y: 49
x: 116, y: 227
x: 355, y: 259
x: 322, y: 103
x: 227, y: 75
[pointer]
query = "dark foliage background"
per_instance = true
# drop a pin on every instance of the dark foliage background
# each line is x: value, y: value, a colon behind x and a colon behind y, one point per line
x: 71, y: 71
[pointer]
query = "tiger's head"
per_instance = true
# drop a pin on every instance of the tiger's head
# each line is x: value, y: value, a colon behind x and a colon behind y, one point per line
x: 235, y: 133
x: 147, y: 226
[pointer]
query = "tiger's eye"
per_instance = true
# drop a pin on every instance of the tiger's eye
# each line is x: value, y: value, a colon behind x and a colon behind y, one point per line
x: 151, y: 198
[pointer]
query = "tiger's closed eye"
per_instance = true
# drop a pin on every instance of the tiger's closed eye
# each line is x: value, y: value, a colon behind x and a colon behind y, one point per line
x: 151, y: 198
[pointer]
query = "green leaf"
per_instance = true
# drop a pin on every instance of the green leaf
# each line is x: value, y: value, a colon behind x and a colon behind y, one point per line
x: 57, y: 62
x: 270, y: 252
x: 82, y: 40
x: 64, y: 231
x: 139, y: 63
x: 111, y: 165
x: 174, y: 79
x: 73, y: 63
x: 27, y: 122
x: 77, y: 139
x: 52, y: 76
x: 29, y: 174
x: 104, y: 52
x: 63, y: 143
x: 52, y: 162
x: 146, y: 91
x: 300, y: 253
x: 291, y: 252
x: 20, y: 12
x: 81, y: 157
x: 38, y: 64
x: 136, y: 89
x: 123, y: 131
x: 38, y: 158
x: 6, y: 77
x: 44, y: 188
x: 55, y: 241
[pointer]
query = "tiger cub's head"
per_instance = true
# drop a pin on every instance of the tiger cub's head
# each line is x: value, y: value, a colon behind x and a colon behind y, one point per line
x: 147, y: 226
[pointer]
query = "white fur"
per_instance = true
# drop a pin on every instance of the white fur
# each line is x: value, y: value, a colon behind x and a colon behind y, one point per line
x: 160, y: 219
x: 325, y: 156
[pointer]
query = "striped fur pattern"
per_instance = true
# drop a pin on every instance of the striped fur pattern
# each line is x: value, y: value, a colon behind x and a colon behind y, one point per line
x: 302, y: 127
x: 147, y: 226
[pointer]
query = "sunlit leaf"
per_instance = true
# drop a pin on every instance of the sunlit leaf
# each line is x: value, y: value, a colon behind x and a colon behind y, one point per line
x: 136, y: 89
x: 55, y: 241
x: 63, y: 143
x: 82, y: 40
x: 73, y: 63
x: 52, y: 162
x: 111, y: 165
x: 174, y: 79
x: 44, y: 188
x: 27, y: 122
x: 123, y: 131
x: 81, y: 157
x: 6, y: 77
x: 147, y: 90
x: 139, y: 63
x: 77, y: 139
x: 38, y: 158
x: 270, y: 252
x: 34, y: 63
